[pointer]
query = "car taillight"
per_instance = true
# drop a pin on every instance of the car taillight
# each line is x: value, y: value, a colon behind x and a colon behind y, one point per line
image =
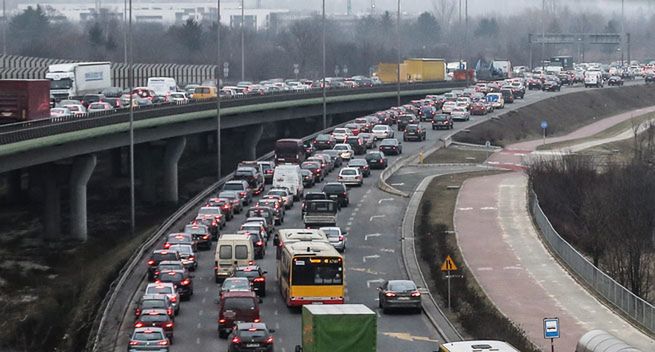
x: 169, y: 311
x: 221, y: 321
x: 317, y: 171
x: 259, y: 243
x: 133, y: 343
x: 205, y: 237
x: 344, y: 194
x: 214, y: 223
x: 151, y: 262
x: 236, y: 339
x: 138, y: 324
x: 192, y: 257
x: 390, y: 294
x: 259, y: 279
x: 174, y: 299
x: 185, y: 282
x: 257, y: 320
x: 169, y: 325
x: 167, y: 245
x: 341, y: 237
x: 416, y: 294
x: 137, y: 312
x: 269, y: 340
x: 251, y: 262
x: 163, y: 343
x: 242, y: 194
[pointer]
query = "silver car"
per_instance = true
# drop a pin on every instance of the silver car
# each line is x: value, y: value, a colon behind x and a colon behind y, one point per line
x: 336, y: 237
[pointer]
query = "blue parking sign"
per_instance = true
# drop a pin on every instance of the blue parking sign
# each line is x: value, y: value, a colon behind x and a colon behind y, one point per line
x: 551, y: 328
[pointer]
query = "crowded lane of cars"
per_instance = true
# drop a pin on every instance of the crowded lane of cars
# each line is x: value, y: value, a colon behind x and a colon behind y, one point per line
x: 361, y: 235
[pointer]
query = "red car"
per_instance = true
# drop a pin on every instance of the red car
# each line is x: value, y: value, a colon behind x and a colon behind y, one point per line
x: 156, y: 318
x: 237, y: 306
x: 478, y: 109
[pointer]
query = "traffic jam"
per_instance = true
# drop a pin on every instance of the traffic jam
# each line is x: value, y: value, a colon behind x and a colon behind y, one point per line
x: 244, y: 222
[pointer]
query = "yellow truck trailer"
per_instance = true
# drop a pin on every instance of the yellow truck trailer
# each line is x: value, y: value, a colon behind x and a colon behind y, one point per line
x: 413, y: 70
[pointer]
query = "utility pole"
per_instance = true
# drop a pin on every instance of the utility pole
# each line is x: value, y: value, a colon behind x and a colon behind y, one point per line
x: 131, y: 83
x: 4, y: 28
x: 622, y: 32
x: 398, y: 55
x: 125, y: 31
x: 218, y: 90
x: 543, y: 34
x: 243, y: 49
x: 323, y: 84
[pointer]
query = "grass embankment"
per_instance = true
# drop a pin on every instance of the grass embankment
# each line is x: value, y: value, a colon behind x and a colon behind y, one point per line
x: 615, y: 130
x: 458, y: 154
x: 470, y: 307
x: 564, y: 114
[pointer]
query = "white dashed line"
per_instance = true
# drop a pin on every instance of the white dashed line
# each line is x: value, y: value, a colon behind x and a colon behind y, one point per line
x: 375, y: 216
x: 371, y: 235
x: 204, y: 299
x: 376, y: 281
x: 465, y: 209
x: 350, y: 223
x: 385, y: 200
x: 199, y: 325
x: 201, y: 312
x: 197, y: 340
x: 374, y: 256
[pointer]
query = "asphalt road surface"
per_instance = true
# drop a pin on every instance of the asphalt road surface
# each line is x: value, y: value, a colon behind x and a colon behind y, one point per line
x: 372, y: 255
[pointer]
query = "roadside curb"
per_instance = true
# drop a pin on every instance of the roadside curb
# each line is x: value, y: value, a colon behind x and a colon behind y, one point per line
x: 435, y: 165
x: 410, y: 260
x: 477, y: 146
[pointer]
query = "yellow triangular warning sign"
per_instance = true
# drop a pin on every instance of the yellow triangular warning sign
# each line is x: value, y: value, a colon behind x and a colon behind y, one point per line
x: 448, y: 264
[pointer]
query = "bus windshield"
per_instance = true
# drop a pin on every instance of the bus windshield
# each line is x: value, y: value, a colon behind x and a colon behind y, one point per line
x: 313, y: 271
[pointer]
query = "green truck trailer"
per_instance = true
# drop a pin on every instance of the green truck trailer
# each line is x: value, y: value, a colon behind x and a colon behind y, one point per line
x: 338, y: 328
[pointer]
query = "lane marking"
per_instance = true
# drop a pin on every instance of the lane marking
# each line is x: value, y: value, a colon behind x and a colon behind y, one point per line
x: 197, y: 340
x: 485, y: 268
x: 207, y: 288
x: 204, y: 299
x: 376, y: 281
x: 488, y: 208
x: 374, y: 256
x: 385, y: 200
x: 375, y: 216
x: 201, y: 312
x: 513, y: 267
x: 275, y: 312
x: 348, y: 229
x: 371, y: 235
x: 398, y: 184
x: 350, y: 223
x: 199, y: 325
x: 407, y: 337
x: 387, y: 250
x: 465, y: 209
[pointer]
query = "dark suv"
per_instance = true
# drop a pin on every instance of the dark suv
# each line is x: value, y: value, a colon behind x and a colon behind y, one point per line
x: 249, y: 174
x: 236, y: 306
x: 337, y: 191
x: 324, y: 141
x: 159, y: 256
x: 312, y: 196
x: 442, y: 121
x: 405, y: 120
x: 414, y: 132
x: 357, y: 143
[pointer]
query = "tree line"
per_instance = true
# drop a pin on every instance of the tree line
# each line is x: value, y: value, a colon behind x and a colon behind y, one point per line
x: 358, y: 45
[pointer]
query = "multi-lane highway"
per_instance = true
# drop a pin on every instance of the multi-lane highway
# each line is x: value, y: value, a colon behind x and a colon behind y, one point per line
x: 373, y: 222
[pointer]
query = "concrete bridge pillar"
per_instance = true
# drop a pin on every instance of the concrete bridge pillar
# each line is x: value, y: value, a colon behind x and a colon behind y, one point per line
x: 116, y: 157
x: 52, y: 201
x: 172, y: 154
x: 145, y: 167
x: 15, y: 192
x: 252, y: 137
x: 81, y: 171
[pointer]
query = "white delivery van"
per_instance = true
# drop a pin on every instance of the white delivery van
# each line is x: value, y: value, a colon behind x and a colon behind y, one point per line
x: 232, y: 250
x: 288, y: 175
x: 162, y: 86
x: 593, y: 79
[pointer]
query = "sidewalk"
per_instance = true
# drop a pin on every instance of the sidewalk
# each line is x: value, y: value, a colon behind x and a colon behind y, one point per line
x: 501, y: 247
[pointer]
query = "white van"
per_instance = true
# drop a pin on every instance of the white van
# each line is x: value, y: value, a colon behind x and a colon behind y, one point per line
x: 593, y: 79
x: 289, y: 176
x: 162, y: 86
x: 232, y: 250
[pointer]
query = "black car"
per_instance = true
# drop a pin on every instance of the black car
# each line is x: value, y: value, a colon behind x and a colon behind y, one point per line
x: 362, y: 164
x: 251, y: 337
x: 159, y: 256
x: 414, y: 132
x: 405, y: 120
x: 307, y: 178
x: 442, y: 121
x: 181, y: 280
x: 255, y: 275
x: 399, y: 294
x: 650, y: 78
x: 324, y: 141
x: 309, y: 147
x: 376, y: 160
x: 391, y: 146
x: 357, y: 143
x: 337, y: 191
x: 258, y: 243
x: 550, y: 86
x: 201, y: 234
x: 508, y: 95
x: 615, y: 81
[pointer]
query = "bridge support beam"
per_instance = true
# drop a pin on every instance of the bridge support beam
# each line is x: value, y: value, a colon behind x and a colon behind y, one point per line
x: 252, y: 137
x: 52, y: 201
x: 146, y: 172
x: 81, y: 171
x: 172, y: 154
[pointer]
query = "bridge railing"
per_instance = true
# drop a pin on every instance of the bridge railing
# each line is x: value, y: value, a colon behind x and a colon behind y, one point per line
x: 21, y: 131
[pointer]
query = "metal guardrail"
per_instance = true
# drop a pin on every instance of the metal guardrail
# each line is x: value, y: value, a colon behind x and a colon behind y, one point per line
x: 16, y: 132
x: 99, y: 332
x: 632, y: 306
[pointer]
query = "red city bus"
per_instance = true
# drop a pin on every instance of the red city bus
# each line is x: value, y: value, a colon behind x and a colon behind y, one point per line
x: 289, y: 150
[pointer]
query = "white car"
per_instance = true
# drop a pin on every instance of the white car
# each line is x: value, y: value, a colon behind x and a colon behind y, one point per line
x: 77, y: 110
x: 168, y: 289
x: 345, y: 150
x: 382, y: 132
x: 100, y: 106
x: 60, y: 113
x: 460, y: 114
x: 350, y: 176
x: 448, y: 107
x: 178, y: 98
x: 341, y: 133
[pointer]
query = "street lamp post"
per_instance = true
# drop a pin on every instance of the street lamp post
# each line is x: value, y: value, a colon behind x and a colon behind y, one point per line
x: 218, y: 89
x: 243, y: 50
x: 398, y: 55
x: 323, y: 84
x: 130, y: 65
x: 543, y: 34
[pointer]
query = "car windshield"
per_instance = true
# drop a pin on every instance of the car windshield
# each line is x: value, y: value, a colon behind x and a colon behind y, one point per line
x: 401, y: 286
x: 250, y: 274
x: 380, y: 128
x: 195, y: 229
x: 171, y: 276
x: 154, y: 318
x: 148, y: 336
x: 253, y: 333
x: 341, y: 147
x: 235, y: 284
x: 440, y: 118
x: 169, y: 267
x: 357, y: 162
x: 164, y: 256
x: 331, y: 232
x: 183, y: 250
x: 164, y: 290
x: 339, y: 130
x: 388, y: 142
x: 349, y: 172
x: 239, y: 303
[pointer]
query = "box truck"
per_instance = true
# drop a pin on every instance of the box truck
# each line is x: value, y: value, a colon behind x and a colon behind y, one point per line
x: 22, y: 100
x: 423, y: 69
x: 338, y: 328
x: 73, y: 80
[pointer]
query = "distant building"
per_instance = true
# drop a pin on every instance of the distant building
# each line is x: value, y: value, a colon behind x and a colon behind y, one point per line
x: 167, y: 13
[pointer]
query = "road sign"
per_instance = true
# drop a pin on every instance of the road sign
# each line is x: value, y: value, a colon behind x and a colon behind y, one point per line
x: 296, y: 71
x: 345, y: 69
x: 487, y: 144
x: 226, y: 71
x: 551, y: 328
x: 544, y: 124
x: 226, y: 64
x: 448, y: 264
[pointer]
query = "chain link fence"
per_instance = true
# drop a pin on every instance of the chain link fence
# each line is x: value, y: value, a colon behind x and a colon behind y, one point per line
x: 637, y: 309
